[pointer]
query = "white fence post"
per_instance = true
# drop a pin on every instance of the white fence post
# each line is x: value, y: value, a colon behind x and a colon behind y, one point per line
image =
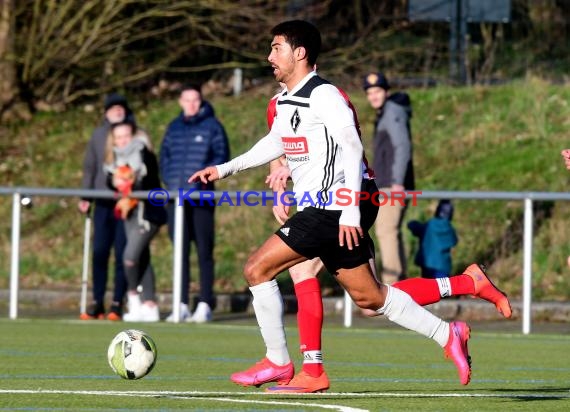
x: 177, y: 264
x: 527, y: 265
x: 15, y: 255
x: 85, y: 270
x: 238, y: 81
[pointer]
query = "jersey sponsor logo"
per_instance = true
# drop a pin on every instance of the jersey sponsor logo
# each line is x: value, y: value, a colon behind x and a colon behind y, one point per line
x: 298, y: 158
x: 295, y: 120
x: 295, y: 145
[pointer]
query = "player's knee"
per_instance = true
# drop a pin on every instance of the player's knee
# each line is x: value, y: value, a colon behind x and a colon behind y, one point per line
x: 254, y: 273
x: 367, y: 301
x: 367, y: 304
x: 369, y: 312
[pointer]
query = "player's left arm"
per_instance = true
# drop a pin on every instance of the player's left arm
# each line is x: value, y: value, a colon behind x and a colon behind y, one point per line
x: 350, y: 231
x: 338, y: 118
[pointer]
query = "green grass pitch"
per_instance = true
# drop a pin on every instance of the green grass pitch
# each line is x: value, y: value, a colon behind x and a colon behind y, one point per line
x: 61, y: 365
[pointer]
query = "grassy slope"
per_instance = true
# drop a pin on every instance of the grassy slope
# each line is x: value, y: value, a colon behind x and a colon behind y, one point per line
x: 500, y: 138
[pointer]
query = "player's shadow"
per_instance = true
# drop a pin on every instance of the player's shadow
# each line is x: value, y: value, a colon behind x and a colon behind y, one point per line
x: 540, y: 394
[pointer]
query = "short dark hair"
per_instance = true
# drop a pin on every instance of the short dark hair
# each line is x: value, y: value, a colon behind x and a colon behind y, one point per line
x: 301, y: 33
x: 189, y: 87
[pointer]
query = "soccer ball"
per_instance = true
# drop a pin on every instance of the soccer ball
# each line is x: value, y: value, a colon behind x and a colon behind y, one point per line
x: 132, y: 354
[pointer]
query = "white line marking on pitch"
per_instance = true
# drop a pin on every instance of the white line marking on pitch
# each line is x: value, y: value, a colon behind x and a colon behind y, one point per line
x: 206, y: 394
x: 196, y: 395
x: 218, y: 396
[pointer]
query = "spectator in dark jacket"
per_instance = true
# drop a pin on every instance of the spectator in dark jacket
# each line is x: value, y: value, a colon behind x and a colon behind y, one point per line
x: 194, y: 140
x: 436, y: 239
x: 393, y: 168
x: 108, y: 231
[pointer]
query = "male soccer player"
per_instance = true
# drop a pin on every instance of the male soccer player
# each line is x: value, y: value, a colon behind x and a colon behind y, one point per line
x: 312, y: 377
x: 315, y: 128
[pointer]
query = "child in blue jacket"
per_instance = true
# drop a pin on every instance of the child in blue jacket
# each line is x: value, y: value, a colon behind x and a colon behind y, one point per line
x: 436, y: 237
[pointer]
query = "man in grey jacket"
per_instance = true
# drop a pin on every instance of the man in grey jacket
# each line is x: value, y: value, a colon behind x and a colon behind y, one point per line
x: 393, y: 168
x: 108, y: 231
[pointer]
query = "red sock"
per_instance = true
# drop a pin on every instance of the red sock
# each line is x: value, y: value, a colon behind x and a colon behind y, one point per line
x: 310, y: 323
x: 462, y: 285
x: 423, y: 291
x: 426, y: 291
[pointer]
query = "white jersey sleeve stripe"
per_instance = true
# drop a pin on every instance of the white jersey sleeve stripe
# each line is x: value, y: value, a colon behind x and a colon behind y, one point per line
x: 328, y: 176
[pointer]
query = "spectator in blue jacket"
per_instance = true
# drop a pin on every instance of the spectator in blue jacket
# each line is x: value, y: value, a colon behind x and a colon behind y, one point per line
x: 437, y: 237
x: 194, y: 140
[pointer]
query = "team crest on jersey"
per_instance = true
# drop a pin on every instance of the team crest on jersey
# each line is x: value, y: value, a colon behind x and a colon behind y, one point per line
x: 295, y: 120
x: 295, y: 145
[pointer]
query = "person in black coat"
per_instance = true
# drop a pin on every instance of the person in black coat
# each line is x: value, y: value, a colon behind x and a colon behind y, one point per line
x: 108, y: 231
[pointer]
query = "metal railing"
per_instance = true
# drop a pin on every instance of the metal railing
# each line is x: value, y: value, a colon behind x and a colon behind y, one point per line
x: 17, y: 192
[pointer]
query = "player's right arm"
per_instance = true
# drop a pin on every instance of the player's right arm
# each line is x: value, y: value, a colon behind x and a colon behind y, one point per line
x: 278, y: 170
x: 265, y: 150
x: 209, y: 174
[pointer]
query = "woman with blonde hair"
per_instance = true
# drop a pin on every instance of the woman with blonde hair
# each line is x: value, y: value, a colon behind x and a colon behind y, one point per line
x: 132, y: 165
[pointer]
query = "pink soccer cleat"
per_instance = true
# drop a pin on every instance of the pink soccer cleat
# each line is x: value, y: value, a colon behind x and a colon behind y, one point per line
x: 264, y: 371
x: 456, y: 350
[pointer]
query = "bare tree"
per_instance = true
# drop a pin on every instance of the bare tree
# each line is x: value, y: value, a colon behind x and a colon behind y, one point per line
x: 71, y: 50
x: 10, y: 104
x: 78, y: 48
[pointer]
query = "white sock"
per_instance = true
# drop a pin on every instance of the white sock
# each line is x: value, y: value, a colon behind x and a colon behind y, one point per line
x: 268, y: 306
x: 312, y: 356
x: 444, y: 287
x: 400, y: 308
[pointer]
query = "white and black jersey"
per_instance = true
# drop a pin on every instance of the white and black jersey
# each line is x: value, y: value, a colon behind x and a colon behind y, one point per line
x: 306, y: 118
x: 315, y: 128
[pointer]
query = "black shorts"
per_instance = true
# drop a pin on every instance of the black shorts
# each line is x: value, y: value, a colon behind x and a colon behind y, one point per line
x: 313, y: 233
